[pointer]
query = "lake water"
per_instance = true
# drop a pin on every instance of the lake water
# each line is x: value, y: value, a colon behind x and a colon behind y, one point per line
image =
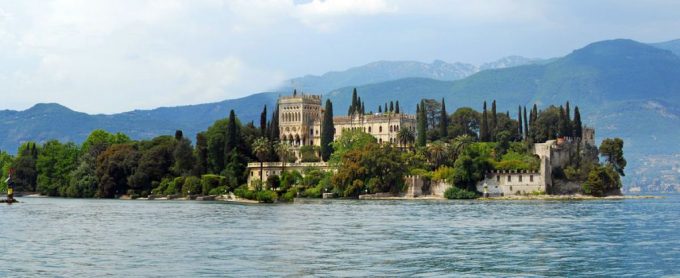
x: 87, y: 238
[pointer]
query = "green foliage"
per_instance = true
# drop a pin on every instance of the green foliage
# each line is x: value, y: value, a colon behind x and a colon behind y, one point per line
x: 328, y: 131
x: 465, y: 121
x: 266, y: 196
x: 442, y: 173
x: 458, y: 193
x: 308, y: 153
x: 209, y: 182
x: 612, y: 150
x: 421, y: 125
x: 348, y: 141
x: 191, y: 186
x: 513, y: 160
x: 314, y: 192
x: 113, y: 168
x: 375, y: 168
x: 601, y: 181
x: 55, y: 163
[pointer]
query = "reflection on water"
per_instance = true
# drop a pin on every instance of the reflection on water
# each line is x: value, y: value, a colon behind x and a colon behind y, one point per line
x: 66, y: 237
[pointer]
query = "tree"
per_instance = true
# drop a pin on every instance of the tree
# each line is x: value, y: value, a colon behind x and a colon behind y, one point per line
x: 284, y: 151
x: 601, y: 180
x: 201, y: 153
x: 274, y: 125
x: 391, y: 106
x: 373, y: 168
x: 465, y: 121
x: 484, y: 129
x: 432, y: 112
x: 520, y: 130
x: 443, y: 122
x: 327, y: 132
x: 612, y: 150
x: 421, y: 125
x: 526, y: 125
x: 562, y: 123
x: 437, y: 153
x: 348, y: 141
x: 114, y: 166
x: 459, y: 144
x: 493, y: 130
x: 405, y: 137
x: 578, y: 126
x: 54, y: 165
x: 26, y: 175
x: 183, y: 155
x: 396, y: 107
x: 263, y: 122
x: 261, y: 149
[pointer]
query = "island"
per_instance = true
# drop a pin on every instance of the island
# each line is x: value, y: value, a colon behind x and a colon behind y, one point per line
x: 303, y: 150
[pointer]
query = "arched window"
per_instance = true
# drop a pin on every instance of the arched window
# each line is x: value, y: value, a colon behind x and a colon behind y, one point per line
x: 380, y: 130
x: 369, y: 129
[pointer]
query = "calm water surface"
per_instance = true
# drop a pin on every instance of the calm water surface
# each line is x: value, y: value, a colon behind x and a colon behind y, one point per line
x: 87, y: 238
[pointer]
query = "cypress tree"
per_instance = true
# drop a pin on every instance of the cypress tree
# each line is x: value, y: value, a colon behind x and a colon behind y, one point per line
x: 494, y: 121
x: 179, y: 135
x: 444, y: 122
x: 363, y: 109
x: 396, y: 107
x: 379, y: 109
x: 578, y: 126
x: 201, y: 166
x: 526, y: 126
x: 231, y: 139
x: 484, y: 129
x: 391, y: 106
x: 520, y: 130
x: 263, y: 121
x: 562, y: 122
x: 386, y: 108
x: 421, y: 125
x: 570, y: 126
x: 327, y: 132
x: 274, y: 125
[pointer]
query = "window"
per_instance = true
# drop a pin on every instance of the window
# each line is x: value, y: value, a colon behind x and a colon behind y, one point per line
x: 369, y: 129
x: 498, y: 178
x: 520, y: 178
x: 380, y: 129
x: 531, y: 178
x: 509, y: 178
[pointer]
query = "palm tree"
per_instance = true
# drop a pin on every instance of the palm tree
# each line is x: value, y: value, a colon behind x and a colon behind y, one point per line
x: 261, y: 149
x: 284, y: 151
x: 460, y: 143
x: 406, y: 136
x: 437, y: 153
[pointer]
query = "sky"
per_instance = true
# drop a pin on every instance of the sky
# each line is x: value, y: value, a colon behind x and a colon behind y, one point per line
x: 114, y: 56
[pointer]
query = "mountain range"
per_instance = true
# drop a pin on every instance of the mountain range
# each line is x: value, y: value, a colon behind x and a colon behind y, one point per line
x: 624, y: 88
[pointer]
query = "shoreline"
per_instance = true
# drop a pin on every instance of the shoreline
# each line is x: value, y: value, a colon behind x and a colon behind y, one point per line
x: 227, y: 199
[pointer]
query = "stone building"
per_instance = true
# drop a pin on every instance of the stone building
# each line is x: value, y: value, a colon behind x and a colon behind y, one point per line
x: 552, y: 154
x: 300, y: 118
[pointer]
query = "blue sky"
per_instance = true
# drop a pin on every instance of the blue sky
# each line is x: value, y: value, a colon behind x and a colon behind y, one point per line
x: 114, y: 56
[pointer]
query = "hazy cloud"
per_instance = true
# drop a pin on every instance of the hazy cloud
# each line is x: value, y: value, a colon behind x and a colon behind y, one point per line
x: 111, y: 56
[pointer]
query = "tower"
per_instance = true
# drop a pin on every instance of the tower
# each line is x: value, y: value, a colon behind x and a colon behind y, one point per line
x: 297, y: 114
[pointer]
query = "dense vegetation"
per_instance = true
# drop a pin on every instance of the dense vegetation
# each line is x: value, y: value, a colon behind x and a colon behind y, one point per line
x: 457, y: 148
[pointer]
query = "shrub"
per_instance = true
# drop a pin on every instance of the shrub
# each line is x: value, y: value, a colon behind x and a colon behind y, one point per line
x: 442, y: 173
x: 220, y: 190
x: 458, y: 193
x: 210, y: 182
x: 243, y: 192
x: 289, y: 195
x: 313, y: 192
x: 266, y: 196
x: 192, y: 185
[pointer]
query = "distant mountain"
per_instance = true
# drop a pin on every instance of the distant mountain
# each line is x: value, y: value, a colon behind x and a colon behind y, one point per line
x: 43, y: 122
x: 392, y: 70
x: 673, y: 46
